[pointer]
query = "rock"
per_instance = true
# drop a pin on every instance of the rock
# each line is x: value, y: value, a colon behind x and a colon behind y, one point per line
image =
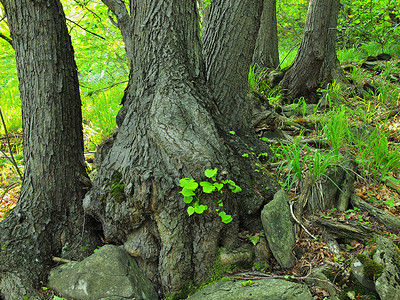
x: 109, y: 273
x: 242, y: 256
x: 387, y: 254
x: 272, y: 289
x: 262, y: 251
x: 318, y: 278
x: 357, y: 270
x: 380, y: 271
x: 384, y: 56
x: 277, y: 222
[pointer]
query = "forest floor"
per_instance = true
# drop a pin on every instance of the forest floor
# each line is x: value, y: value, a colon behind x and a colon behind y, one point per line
x: 383, y: 194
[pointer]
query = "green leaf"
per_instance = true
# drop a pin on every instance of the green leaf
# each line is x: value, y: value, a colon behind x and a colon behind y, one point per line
x: 211, y: 173
x: 199, y: 209
x: 245, y: 155
x: 187, y: 192
x: 208, y: 187
x: 225, y: 218
x: 254, y: 239
x: 232, y: 132
x: 188, y: 199
x: 190, y: 210
x: 218, y: 185
x: 188, y: 183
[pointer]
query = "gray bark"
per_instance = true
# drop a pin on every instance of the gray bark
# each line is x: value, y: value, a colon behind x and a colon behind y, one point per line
x: 171, y: 128
x: 49, y: 215
x: 229, y: 42
x: 305, y: 75
x: 266, y: 54
x: 331, y: 69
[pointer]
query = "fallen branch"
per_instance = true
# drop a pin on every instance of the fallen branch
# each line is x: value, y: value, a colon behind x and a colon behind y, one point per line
x: 356, y: 231
x: 390, y: 222
x: 62, y: 260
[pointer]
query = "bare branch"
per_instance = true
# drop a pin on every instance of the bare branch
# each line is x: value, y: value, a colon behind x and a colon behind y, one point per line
x: 7, y: 39
x: 87, y: 30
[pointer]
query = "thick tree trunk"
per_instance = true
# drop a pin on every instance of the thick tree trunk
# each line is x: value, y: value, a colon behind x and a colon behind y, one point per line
x: 305, y: 75
x: 171, y: 128
x: 266, y: 54
x: 229, y: 42
x: 48, y: 219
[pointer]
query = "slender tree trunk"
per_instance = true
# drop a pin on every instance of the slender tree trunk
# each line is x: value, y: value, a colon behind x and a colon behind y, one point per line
x: 48, y: 219
x: 170, y: 128
x: 266, y: 54
x: 304, y: 76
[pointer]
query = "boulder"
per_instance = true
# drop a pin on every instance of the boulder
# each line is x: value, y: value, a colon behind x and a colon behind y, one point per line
x: 109, y: 273
x: 278, y: 227
x: 271, y: 289
x: 387, y: 254
x: 380, y: 271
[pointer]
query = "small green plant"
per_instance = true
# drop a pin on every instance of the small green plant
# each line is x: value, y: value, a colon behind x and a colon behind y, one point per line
x: 255, y: 78
x: 292, y: 161
x: 191, y: 193
x: 254, y: 239
x: 247, y: 283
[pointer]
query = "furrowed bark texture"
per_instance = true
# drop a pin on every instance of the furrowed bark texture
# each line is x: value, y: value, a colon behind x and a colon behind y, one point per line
x: 229, y: 40
x: 303, y: 78
x: 49, y: 214
x: 169, y: 129
x: 266, y: 54
x: 331, y: 69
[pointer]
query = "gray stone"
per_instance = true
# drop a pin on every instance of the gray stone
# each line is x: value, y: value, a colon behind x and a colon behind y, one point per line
x: 242, y: 256
x: 262, y: 251
x: 109, y: 273
x: 278, y: 227
x: 388, y: 284
x: 318, y: 278
x: 271, y: 289
x: 357, y: 271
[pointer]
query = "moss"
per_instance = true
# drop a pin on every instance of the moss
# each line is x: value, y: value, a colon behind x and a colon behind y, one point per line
x: 372, y: 270
x: 117, y: 187
x: 187, y: 290
x: 358, y: 291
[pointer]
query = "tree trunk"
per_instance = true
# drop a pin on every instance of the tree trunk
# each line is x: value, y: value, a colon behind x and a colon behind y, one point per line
x: 229, y: 42
x: 48, y: 219
x: 331, y: 69
x: 304, y: 76
x: 170, y: 128
x: 266, y: 54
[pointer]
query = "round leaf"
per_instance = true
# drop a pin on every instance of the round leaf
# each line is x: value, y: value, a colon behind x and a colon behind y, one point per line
x: 211, y: 173
x: 207, y: 187
x: 190, y: 210
x: 187, y: 192
x: 188, y: 199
